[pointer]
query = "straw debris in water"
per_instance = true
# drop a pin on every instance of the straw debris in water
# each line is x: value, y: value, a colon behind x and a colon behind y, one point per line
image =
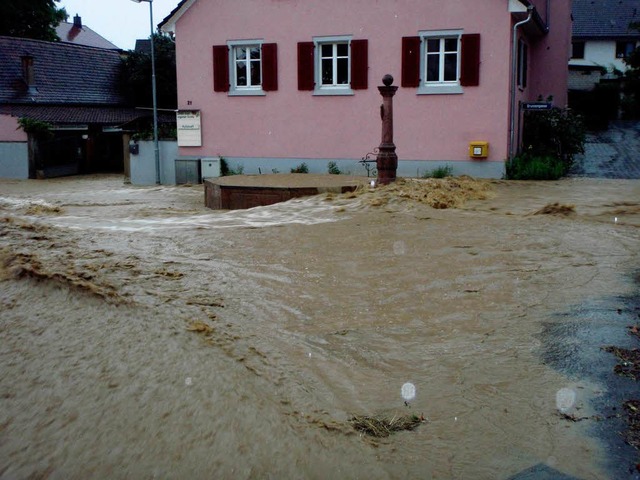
x: 43, y: 209
x: 380, y: 426
x: 450, y: 192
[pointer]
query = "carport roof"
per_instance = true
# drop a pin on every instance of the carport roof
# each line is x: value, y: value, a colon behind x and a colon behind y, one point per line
x: 68, y: 115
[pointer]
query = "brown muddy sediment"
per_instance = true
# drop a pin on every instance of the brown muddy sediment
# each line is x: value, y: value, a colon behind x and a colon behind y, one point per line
x: 249, y: 339
x: 22, y: 265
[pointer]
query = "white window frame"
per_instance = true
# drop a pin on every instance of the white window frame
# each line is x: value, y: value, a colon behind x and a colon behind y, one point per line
x: 440, y: 87
x: 244, y: 90
x: 334, y: 89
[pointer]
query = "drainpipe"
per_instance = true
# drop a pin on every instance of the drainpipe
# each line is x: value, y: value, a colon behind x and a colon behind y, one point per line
x: 548, y: 15
x: 514, y: 69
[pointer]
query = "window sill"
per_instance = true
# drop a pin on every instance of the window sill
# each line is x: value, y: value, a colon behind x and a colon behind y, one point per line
x: 322, y: 92
x: 440, y: 90
x: 247, y: 93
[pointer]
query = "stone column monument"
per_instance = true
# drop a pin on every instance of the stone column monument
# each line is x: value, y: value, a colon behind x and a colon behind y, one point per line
x: 387, y: 160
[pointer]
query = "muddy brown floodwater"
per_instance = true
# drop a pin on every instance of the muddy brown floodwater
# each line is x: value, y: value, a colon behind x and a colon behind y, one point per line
x: 145, y: 336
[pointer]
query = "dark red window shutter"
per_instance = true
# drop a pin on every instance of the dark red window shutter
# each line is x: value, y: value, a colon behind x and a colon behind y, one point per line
x: 410, y: 62
x: 306, y: 79
x: 359, y: 64
x: 220, y: 68
x: 470, y: 61
x: 269, y: 67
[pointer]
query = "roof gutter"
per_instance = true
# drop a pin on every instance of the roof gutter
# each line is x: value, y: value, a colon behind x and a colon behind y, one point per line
x: 168, y: 24
x: 514, y: 67
x: 541, y: 24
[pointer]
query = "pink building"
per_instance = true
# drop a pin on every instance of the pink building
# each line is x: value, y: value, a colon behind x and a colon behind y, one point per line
x: 277, y: 83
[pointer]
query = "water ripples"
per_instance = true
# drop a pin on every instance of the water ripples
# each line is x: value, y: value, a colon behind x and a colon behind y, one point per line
x: 308, y: 211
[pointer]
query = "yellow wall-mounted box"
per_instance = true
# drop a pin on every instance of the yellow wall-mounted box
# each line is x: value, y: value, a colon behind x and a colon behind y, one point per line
x: 479, y: 149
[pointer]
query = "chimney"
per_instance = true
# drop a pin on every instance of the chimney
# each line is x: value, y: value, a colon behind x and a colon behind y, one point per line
x: 77, y: 21
x: 28, y: 73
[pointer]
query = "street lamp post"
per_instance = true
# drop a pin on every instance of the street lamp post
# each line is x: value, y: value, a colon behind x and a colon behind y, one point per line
x: 153, y: 92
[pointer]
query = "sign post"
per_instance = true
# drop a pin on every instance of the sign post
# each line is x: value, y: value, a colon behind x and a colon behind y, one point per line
x: 537, y: 106
x: 189, y: 128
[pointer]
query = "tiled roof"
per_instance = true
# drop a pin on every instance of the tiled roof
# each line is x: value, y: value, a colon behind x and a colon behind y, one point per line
x: 605, y: 18
x: 64, y: 73
x: 143, y: 46
x: 61, y: 115
x: 69, y: 33
x: 172, y: 13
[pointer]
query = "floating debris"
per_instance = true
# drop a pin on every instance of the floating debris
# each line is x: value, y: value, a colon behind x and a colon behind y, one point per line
x: 200, y: 327
x: 629, y: 367
x: 379, y: 426
x: 556, y: 209
x: 630, y: 361
x: 205, y: 301
x: 574, y: 418
x: 169, y: 274
x: 632, y: 435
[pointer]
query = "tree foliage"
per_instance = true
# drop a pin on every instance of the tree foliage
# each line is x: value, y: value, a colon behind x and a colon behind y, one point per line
x: 37, y: 127
x: 557, y: 133
x: 631, y: 81
x: 136, y: 75
x: 35, y: 19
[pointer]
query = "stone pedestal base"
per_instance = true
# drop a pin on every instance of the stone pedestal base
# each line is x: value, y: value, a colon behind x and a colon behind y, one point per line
x: 387, y: 165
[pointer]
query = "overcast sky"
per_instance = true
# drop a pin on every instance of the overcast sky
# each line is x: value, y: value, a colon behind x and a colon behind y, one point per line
x: 119, y: 21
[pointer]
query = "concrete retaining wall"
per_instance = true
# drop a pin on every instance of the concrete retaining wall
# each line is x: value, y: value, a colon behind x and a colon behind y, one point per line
x: 14, y: 160
x: 406, y: 168
x: 143, y: 165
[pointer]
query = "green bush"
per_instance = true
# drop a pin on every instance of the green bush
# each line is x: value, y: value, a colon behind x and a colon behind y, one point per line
x: 557, y: 133
x: 225, y: 170
x: 302, y: 168
x: 332, y: 168
x: 439, y: 172
x: 528, y: 166
x: 38, y: 127
x: 166, y: 131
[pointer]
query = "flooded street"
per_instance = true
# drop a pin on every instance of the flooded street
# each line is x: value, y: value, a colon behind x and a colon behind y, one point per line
x: 145, y: 336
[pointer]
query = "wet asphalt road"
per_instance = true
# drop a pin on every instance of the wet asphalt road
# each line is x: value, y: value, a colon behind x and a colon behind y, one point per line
x: 575, y: 347
x: 611, y: 153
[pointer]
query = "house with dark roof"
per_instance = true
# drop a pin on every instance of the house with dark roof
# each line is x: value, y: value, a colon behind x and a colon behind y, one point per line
x: 73, y: 88
x: 143, y: 45
x: 80, y: 34
x: 603, y: 35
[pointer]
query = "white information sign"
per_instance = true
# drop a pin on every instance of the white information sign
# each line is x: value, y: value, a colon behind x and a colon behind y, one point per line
x: 189, y: 130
